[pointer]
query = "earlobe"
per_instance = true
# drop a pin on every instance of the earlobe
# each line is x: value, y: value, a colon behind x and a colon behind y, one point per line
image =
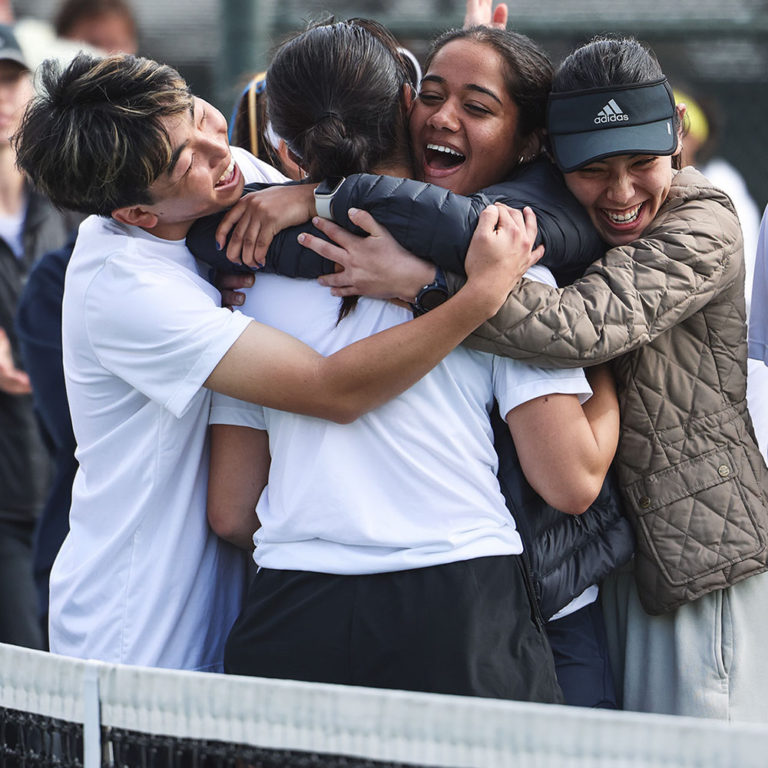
x: 136, y: 216
x: 409, y: 95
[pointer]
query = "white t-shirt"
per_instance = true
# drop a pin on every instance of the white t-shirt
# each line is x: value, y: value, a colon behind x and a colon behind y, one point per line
x: 141, y: 579
x: 410, y: 484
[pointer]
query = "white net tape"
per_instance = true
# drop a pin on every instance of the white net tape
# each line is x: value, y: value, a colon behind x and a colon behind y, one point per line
x: 392, y: 726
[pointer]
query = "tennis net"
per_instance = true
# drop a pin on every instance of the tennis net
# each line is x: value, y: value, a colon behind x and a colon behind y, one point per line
x: 64, y: 712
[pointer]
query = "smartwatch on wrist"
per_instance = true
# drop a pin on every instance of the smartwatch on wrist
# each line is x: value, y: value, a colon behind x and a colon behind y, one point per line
x: 324, y: 193
x: 431, y: 295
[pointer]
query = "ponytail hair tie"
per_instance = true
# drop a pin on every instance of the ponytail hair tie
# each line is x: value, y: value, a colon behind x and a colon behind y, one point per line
x: 331, y: 115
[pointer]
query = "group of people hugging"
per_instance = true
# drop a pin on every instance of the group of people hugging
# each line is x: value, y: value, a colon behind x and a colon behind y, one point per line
x: 477, y: 409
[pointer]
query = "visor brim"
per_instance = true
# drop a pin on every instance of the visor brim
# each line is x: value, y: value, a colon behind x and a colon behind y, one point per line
x: 573, y: 150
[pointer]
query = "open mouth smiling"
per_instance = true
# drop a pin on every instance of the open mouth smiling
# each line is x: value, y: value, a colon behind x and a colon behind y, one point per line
x: 228, y: 175
x: 439, y: 157
x: 627, y: 217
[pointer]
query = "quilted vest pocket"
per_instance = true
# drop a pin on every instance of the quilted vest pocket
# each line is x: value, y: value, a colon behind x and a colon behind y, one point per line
x: 693, y: 519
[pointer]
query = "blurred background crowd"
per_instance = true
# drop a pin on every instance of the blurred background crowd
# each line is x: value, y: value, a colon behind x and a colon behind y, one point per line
x: 714, y: 50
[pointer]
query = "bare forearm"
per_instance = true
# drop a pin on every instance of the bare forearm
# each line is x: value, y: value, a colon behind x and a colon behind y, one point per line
x: 561, y: 456
x: 602, y: 413
x: 239, y: 467
x: 269, y: 367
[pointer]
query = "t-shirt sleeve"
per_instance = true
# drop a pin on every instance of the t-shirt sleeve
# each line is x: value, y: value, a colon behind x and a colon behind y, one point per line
x: 238, y: 413
x: 516, y: 382
x: 160, y: 331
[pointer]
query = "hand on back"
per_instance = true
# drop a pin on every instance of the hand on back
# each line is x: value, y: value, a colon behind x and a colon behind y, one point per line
x: 376, y: 265
x: 501, y: 249
x: 258, y: 216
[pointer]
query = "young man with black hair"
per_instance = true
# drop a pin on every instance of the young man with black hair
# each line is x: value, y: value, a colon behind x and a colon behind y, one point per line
x: 141, y: 579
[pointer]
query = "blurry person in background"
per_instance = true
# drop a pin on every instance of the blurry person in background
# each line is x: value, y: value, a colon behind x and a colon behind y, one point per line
x: 106, y: 24
x: 29, y: 226
x: 757, y: 328
x: 700, y: 149
x: 109, y: 25
x: 38, y: 328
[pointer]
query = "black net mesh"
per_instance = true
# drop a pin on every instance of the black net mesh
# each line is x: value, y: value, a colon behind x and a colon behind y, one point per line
x: 128, y: 749
x: 29, y: 740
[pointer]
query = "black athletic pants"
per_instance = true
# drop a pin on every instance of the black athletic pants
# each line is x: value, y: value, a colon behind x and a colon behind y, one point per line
x: 462, y: 628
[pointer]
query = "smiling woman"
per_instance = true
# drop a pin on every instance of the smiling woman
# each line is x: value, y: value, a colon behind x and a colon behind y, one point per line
x: 463, y: 133
x: 667, y: 302
x: 619, y: 163
x: 479, y: 108
x: 622, y: 195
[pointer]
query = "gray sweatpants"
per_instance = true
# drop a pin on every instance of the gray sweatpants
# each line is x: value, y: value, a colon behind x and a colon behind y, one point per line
x: 708, y: 658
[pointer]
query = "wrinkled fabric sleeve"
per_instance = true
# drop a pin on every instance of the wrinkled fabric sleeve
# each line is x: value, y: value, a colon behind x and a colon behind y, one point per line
x: 284, y: 257
x: 438, y: 225
x: 431, y: 222
x: 633, y: 294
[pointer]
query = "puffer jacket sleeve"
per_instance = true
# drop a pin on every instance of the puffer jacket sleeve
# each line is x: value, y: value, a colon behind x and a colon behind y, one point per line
x: 437, y: 225
x: 285, y: 255
x: 691, y: 253
x: 429, y: 221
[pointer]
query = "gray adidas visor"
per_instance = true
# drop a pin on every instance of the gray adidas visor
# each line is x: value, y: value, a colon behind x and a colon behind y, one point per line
x: 589, y: 125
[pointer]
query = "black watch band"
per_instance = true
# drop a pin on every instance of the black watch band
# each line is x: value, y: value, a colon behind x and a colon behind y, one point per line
x: 431, y: 295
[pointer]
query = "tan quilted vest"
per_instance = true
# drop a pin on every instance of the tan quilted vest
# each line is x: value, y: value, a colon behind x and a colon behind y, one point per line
x: 669, y: 309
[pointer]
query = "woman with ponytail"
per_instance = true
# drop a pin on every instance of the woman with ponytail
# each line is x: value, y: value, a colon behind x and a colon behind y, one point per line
x: 386, y: 554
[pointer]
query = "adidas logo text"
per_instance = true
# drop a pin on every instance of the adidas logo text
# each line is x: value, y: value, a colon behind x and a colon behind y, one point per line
x: 611, y: 113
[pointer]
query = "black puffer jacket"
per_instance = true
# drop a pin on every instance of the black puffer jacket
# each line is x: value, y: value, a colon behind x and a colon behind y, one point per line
x: 566, y: 554
x: 431, y: 222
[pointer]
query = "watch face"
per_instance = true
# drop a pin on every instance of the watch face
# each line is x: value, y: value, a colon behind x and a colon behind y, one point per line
x: 432, y: 297
x: 329, y: 186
